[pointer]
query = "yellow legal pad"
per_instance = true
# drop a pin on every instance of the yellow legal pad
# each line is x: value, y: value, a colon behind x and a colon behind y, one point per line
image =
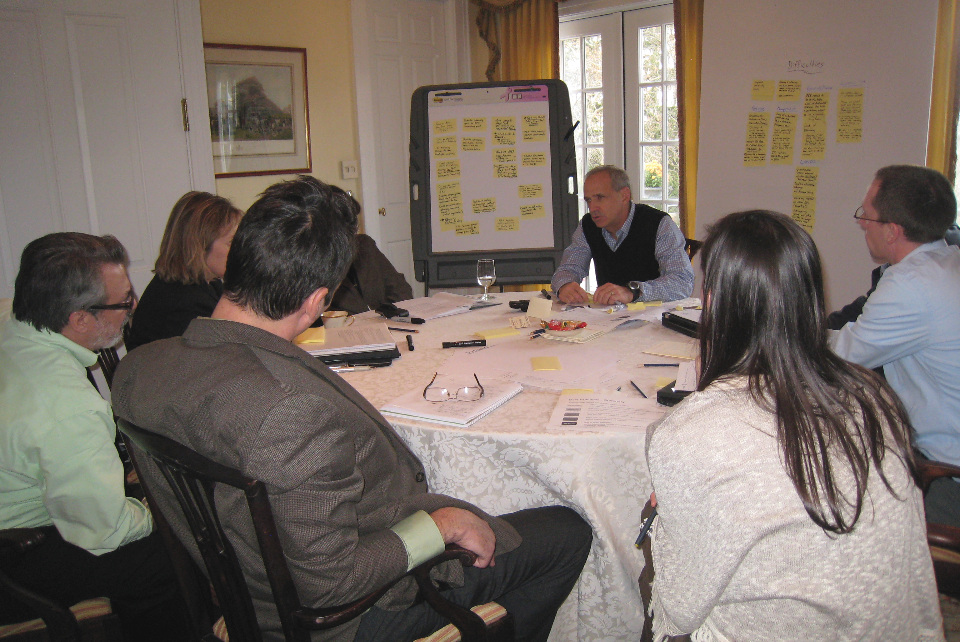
x: 545, y: 363
x: 495, y: 333
x: 311, y: 335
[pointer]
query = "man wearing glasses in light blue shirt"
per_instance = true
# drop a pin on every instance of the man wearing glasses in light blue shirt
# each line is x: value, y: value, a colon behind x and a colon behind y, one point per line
x: 910, y: 324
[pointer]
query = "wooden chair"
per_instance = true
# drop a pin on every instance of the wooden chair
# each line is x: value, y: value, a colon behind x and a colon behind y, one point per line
x: 87, y: 620
x: 692, y: 246
x: 944, y: 540
x: 109, y: 359
x: 193, y: 478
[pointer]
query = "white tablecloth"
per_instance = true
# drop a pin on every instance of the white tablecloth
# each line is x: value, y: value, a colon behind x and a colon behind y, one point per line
x: 508, y: 461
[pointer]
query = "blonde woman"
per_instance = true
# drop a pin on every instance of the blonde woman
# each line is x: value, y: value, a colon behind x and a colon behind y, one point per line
x: 193, y: 257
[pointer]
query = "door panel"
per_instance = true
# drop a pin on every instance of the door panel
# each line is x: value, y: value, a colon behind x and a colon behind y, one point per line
x: 92, y: 140
x: 405, y: 47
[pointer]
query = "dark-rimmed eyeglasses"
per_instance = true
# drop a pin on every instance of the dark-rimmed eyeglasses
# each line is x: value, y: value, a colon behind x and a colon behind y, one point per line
x: 126, y: 304
x: 858, y: 215
x: 440, y: 394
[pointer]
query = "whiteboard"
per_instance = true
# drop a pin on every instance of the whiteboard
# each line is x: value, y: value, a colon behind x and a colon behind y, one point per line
x: 857, y: 64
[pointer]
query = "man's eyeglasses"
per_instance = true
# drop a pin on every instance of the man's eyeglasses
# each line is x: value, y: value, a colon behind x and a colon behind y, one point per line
x: 440, y: 394
x: 858, y: 215
x: 126, y: 304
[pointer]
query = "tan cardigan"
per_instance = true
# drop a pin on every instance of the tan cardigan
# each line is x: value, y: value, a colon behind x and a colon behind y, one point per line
x: 737, y: 557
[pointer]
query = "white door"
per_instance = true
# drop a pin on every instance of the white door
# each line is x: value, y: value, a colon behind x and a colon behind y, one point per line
x: 399, y: 45
x: 91, y: 126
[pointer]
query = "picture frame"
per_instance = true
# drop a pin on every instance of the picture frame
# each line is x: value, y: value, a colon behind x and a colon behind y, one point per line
x: 259, y: 113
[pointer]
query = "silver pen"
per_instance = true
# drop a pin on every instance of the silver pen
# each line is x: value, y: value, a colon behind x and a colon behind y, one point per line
x: 349, y: 368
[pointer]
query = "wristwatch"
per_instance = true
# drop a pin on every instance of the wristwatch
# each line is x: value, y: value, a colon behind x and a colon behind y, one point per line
x: 635, y: 287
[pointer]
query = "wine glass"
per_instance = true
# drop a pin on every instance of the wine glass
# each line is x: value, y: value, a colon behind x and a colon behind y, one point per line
x: 486, y: 276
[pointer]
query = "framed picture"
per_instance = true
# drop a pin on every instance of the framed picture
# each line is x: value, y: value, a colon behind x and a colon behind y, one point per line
x: 259, y: 118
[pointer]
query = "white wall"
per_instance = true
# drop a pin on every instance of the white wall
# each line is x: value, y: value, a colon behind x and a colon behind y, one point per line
x: 883, y: 46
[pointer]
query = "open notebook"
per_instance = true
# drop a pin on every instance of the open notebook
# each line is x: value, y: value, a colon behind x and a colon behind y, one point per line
x: 351, y: 344
x: 453, y: 413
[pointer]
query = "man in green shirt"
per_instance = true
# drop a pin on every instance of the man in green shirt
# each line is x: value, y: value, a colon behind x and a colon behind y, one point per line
x: 58, y: 464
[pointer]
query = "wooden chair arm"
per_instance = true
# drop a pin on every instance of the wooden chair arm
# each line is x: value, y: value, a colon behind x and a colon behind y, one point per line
x: 328, y: 617
x: 943, y: 536
x: 928, y: 470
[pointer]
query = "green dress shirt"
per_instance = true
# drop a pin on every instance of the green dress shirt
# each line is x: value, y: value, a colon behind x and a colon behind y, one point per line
x: 58, y: 462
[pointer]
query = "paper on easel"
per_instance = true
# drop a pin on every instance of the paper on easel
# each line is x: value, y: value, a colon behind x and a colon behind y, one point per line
x: 604, y: 413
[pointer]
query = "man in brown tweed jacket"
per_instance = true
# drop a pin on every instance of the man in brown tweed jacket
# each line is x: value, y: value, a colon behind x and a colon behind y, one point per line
x: 349, y: 497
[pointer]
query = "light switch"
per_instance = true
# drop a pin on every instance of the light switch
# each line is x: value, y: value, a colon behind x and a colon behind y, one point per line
x: 348, y: 169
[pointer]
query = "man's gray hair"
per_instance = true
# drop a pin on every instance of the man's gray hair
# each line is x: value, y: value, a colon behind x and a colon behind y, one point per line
x: 618, y: 177
x: 61, y: 273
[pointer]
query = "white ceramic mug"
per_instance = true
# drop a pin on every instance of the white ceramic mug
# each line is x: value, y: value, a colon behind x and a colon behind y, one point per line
x: 336, y: 319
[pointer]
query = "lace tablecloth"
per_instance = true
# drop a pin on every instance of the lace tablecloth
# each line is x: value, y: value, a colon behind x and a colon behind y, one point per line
x: 508, y: 461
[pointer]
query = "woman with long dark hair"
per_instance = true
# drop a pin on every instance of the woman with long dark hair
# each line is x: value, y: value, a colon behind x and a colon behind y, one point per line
x: 786, y: 500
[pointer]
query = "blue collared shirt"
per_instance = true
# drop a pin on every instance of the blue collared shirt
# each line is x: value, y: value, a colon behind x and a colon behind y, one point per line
x: 911, y: 326
x: 676, y: 274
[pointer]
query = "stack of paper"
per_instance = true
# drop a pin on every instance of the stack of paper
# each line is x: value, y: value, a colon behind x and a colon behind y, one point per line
x: 441, y: 304
x: 453, y: 413
x: 352, y: 339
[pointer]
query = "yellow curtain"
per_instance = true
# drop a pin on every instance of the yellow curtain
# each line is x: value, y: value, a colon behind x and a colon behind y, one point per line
x: 941, y: 139
x: 523, y: 37
x: 688, y: 27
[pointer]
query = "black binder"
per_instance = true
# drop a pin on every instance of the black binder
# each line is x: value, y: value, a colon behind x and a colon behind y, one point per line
x: 681, y: 324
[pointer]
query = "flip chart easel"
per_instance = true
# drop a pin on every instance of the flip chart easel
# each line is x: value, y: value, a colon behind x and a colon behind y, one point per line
x: 492, y: 175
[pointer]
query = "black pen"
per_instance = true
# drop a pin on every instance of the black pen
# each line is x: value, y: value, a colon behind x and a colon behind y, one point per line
x: 403, y: 329
x: 410, y: 342
x: 660, y: 365
x: 465, y: 344
x: 638, y: 390
x: 645, y: 528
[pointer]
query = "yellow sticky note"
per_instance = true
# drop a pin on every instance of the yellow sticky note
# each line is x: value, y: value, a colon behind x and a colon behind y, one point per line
x: 540, y: 308
x: 545, y: 363
x: 664, y: 381
x: 496, y: 332
x: 311, y: 335
x: 577, y: 391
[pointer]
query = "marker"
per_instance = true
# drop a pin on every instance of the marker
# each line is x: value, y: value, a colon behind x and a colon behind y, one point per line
x: 537, y: 333
x: 546, y: 295
x: 413, y: 320
x: 410, y: 342
x: 403, y: 329
x: 660, y: 365
x: 464, y: 344
x: 645, y: 528
x: 638, y: 390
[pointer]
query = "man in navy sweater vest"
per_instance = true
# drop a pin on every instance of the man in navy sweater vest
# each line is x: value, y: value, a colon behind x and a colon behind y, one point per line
x: 638, y: 251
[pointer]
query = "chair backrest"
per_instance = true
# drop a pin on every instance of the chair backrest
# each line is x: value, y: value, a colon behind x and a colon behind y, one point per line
x: 109, y: 359
x: 944, y: 540
x: 193, y: 478
x: 692, y: 246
